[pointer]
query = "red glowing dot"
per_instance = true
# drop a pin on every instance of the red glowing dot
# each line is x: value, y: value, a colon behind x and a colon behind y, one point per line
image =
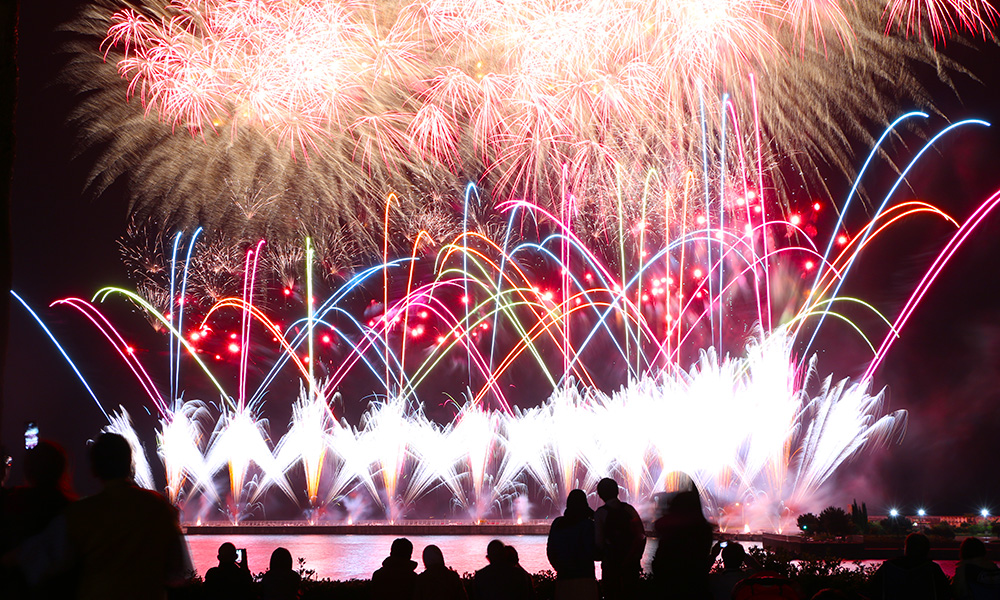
x: 441, y: 339
x: 809, y: 265
x: 697, y: 273
x: 700, y: 219
x: 217, y: 357
x: 485, y: 326
x: 326, y: 339
x: 757, y: 209
x: 816, y: 205
x: 588, y: 277
x: 129, y: 349
x: 795, y: 219
x: 645, y: 297
x: 751, y: 195
x: 423, y: 314
x: 841, y: 239
x: 465, y: 299
x: 232, y: 336
x: 288, y: 292
x: 305, y: 359
x: 195, y: 336
x: 234, y: 347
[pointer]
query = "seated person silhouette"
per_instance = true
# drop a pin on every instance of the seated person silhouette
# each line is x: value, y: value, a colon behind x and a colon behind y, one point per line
x: 502, y: 578
x: 914, y: 576
x: 230, y: 579
x: 722, y: 583
x: 438, y: 582
x: 396, y: 578
x: 976, y: 576
x: 280, y: 582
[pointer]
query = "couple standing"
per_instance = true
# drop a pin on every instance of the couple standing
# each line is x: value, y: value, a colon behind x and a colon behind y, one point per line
x: 613, y: 534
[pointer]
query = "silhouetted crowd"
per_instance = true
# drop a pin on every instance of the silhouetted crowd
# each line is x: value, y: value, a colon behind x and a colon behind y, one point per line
x: 126, y: 543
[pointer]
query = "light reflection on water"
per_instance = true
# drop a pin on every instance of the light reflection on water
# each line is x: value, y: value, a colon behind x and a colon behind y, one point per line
x: 357, y: 556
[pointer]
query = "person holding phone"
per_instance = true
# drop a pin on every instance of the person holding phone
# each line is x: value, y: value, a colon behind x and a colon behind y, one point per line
x: 231, y: 579
x: 123, y: 542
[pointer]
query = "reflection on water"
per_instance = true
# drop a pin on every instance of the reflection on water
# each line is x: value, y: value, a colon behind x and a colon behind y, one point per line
x: 357, y: 556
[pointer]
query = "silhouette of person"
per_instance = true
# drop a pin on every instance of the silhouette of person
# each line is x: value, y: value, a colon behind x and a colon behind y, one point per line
x: 570, y: 549
x: 912, y: 576
x: 437, y: 581
x: 231, y: 579
x: 722, y: 582
x: 29, y: 509
x: 396, y: 578
x: 976, y: 577
x: 684, y: 544
x: 522, y: 585
x: 619, y: 539
x: 280, y: 582
x: 122, y: 543
x: 502, y: 578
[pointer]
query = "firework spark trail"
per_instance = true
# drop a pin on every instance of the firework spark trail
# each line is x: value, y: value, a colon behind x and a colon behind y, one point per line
x: 123, y: 348
x: 62, y: 351
x: 179, y: 444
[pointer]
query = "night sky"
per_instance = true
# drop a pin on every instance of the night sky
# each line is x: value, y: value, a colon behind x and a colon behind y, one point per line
x: 945, y: 370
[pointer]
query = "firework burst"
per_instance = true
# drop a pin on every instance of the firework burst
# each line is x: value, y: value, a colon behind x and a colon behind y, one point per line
x: 267, y: 118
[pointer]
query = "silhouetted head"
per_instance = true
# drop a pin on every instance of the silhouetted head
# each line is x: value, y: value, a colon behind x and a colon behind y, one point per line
x: 687, y: 504
x: 111, y: 457
x: 577, y: 505
x: 972, y: 548
x: 495, y: 552
x: 227, y: 553
x: 45, y: 465
x: 917, y: 546
x: 733, y: 556
x: 401, y: 548
x: 511, y: 555
x: 433, y: 557
x: 607, y: 489
x: 281, y: 560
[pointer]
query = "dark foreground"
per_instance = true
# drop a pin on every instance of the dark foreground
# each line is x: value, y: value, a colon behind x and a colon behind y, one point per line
x: 809, y: 575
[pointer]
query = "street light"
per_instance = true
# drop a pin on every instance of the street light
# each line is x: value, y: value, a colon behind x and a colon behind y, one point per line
x: 894, y: 513
x: 985, y: 512
x: 921, y: 512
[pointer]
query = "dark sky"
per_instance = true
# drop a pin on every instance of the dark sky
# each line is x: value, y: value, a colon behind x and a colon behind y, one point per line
x: 945, y: 371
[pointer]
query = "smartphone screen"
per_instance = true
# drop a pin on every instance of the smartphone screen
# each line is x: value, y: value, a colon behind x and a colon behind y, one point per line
x: 723, y: 544
x: 30, y: 435
x: 241, y: 555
